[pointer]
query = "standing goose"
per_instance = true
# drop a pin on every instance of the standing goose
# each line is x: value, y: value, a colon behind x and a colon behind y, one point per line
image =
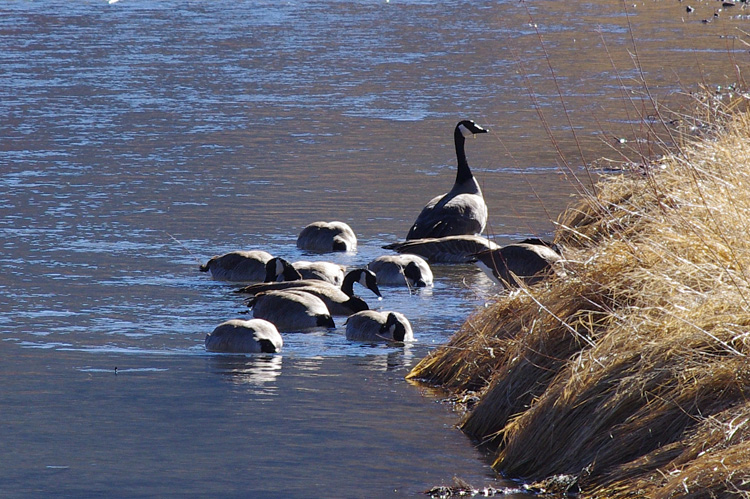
x: 372, y: 325
x: 462, y: 210
x: 291, y: 310
x: 340, y: 301
x: 526, y: 262
x: 238, y: 266
x: 240, y: 336
x: 326, y: 237
x: 398, y: 270
x: 448, y: 249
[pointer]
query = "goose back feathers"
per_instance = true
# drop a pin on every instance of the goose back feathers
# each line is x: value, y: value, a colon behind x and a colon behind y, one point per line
x: 291, y: 310
x: 325, y: 237
x: 362, y: 276
x: 526, y: 262
x: 375, y: 326
x: 461, y: 210
x: 340, y: 301
x: 240, y: 336
x: 449, y: 249
x: 398, y: 270
x: 238, y: 266
x: 279, y: 269
x: 324, y: 271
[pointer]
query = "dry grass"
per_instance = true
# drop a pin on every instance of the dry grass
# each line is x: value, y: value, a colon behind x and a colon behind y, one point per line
x: 632, y: 373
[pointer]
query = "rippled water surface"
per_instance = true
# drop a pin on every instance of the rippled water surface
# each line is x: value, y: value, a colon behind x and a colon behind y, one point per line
x: 139, y: 138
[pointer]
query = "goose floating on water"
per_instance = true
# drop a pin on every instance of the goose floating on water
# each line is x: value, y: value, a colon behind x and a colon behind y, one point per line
x: 374, y: 326
x: 324, y: 271
x: 279, y: 269
x: 398, y: 270
x: 340, y: 301
x: 238, y: 266
x: 241, y: 336
x: 448, y: 249
x: 291, y: 310
x: 326, y: 237
x: 528, y: 261
x: 461, y: 210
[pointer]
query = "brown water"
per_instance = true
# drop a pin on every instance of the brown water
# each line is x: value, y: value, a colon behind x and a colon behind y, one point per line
x: 141, y: 137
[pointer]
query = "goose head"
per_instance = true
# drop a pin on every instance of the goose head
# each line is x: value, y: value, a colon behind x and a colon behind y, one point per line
x: 369, y: 280
x: 341, y: 244
x: 393, y: 328
x: 413, y: 275
x: 278, y: 269
x: 468, y: 129
x: 364, y: 277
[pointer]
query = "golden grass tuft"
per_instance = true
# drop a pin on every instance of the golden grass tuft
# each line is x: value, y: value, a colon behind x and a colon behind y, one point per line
x: 632, y: 372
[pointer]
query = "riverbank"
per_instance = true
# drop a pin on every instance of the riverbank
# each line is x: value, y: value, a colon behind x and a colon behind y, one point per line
x: 629, y: 375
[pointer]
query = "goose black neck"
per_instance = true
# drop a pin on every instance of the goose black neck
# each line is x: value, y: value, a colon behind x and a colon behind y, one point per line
x: 464, y: 172
x: 347, y: 285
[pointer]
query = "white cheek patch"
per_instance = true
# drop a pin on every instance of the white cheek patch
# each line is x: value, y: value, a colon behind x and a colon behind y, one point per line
x: 279, y: 268
x: 363, y: 280
x: 468, y: 133
x: 465, y: 132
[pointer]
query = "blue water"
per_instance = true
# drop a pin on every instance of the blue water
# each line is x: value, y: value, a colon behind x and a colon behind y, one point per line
x: 140, y: 138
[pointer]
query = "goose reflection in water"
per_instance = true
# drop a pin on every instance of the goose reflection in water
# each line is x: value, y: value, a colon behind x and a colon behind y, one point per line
x: 254, y: 370
x: 395, y: 360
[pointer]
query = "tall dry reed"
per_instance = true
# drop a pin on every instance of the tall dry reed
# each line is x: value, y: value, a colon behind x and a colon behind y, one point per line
x: 630, y: 373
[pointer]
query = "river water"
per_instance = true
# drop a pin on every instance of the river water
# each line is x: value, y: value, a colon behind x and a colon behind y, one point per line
x: 139, y: 138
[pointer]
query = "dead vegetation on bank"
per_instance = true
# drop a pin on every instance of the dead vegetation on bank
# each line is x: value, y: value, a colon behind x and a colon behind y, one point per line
x: 630, y: 375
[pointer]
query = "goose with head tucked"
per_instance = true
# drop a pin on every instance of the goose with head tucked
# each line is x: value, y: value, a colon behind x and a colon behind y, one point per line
x: 340, y: 301
x: 323, y: 237
x: 244, y: 336
x: 448, y: 249
x: 324, y: 271
x: 238, y: 266
x: 461, y: 210
x: 374, y: 326
x: 398, y: 270
x: 278, y: 269
x: 526, y: 262
x: 291, y: 310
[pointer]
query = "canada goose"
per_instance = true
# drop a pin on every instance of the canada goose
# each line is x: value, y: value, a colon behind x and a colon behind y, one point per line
x: 448, y: 249
x: 291, y: 310
x: 529, y: 261
x: 279, y: 269
x: 372, y: 325
x: 461, y: 210
x: 324, y: 271
x: 364, y: 277
x: 340, y: 301
x: 238, y: 266
x: 337, y: 302
x: 411, y: 270
x: 240, y: 336
x: 326, y: 237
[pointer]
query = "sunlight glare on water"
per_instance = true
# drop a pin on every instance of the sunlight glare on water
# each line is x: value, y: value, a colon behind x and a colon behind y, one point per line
x: 140, y: 138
